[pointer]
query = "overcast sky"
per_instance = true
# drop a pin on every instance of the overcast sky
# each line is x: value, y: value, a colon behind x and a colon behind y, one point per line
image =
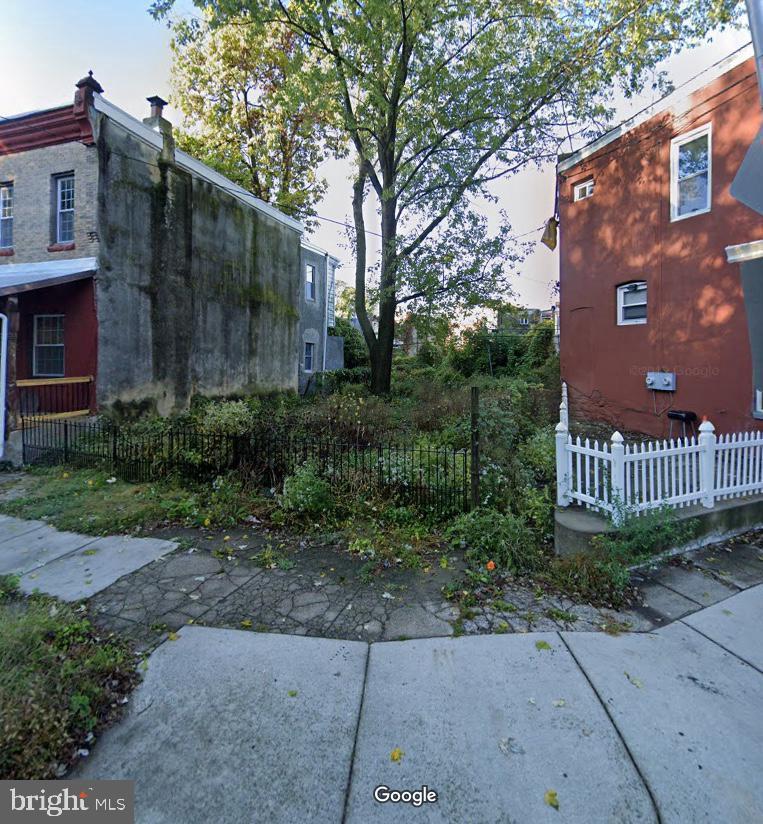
x: 47, y: 45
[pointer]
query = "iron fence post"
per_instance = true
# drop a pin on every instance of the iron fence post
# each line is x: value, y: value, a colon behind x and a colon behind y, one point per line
x: 66, y: 441
x: 475, y: 432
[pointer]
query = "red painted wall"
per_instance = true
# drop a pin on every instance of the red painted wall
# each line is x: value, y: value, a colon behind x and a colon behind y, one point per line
x: 697, y: 325
x: 77, y: 302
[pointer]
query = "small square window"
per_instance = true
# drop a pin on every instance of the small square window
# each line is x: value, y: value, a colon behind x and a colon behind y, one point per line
x: 309, y: 282
x: 309, y: 356
x: 691, y: 173
x: 48, y: 349
x: 759, y: 401
x: 583, y: 190
x: 631, y: 303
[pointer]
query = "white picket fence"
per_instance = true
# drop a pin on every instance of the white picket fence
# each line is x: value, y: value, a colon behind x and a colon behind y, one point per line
x: 615, y: 477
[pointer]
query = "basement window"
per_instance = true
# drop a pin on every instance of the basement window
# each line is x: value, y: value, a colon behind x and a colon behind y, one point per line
x: 583, y: 190
x: 759, y: 402
x: 691, y: 173
x: 309, y: 356
x: 48, y: 350
x: 631, y: 303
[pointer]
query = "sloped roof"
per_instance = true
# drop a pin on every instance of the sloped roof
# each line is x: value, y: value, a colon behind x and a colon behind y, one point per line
x: 23, y: 277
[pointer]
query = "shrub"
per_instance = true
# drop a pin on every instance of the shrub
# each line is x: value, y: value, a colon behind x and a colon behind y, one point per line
x: 642, y: 536
x: 306, y: 493
x: 595, y: 578
x: 489, y: 535
x: 230, y: 417
x: 355, y: 349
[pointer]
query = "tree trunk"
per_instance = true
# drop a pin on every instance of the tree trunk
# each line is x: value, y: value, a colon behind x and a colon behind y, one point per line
x: 381, y: 357
x: 361, y: 310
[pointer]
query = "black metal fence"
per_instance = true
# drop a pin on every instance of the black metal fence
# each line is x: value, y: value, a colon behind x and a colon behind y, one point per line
x: 433, y: 478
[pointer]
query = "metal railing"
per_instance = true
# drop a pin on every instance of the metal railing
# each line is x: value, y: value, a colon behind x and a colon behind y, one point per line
x: 52, y: 398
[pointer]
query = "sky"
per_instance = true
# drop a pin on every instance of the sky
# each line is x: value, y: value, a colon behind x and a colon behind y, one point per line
x: 53, y: 43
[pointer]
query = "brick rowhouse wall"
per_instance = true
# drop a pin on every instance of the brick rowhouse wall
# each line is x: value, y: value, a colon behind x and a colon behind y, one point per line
x: 697, y: 326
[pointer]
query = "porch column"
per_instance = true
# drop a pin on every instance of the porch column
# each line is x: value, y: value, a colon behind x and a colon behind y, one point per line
x: 13, y: 416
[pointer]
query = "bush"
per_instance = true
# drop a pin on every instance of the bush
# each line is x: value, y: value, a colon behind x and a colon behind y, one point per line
x: 230, y: 417
x: 306, y: 493
x: 489, y: 535
x: 355, y: 349
x: 642, y: 536
x: 60, y: 683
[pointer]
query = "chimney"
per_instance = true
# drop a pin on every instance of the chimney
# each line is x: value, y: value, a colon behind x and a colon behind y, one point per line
x: 160, y: 124
x: 83, y: 102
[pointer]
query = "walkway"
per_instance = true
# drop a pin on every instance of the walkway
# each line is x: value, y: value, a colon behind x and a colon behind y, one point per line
x: 246, y: 727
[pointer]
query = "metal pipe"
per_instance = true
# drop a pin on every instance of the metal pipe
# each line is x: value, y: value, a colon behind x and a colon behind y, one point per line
x: 755, y: 16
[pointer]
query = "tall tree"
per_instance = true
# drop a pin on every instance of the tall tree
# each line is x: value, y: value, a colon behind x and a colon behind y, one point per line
x: 258, y: 108
x: 439, y: 98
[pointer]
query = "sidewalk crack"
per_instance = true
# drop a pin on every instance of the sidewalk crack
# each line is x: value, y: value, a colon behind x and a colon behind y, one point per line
x: 609, y: 715
x: 350, y: 772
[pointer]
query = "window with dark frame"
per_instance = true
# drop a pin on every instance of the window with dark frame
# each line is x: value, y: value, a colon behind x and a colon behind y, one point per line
x: 65, y: 209
x: 6, y: 215
x: 309, y: 354
x: 631, y: 303
x: 48, y: 346
x: 310, y: 282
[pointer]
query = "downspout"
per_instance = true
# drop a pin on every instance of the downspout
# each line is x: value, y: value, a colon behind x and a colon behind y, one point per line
x: 3, y: 376
x: 325, y: 312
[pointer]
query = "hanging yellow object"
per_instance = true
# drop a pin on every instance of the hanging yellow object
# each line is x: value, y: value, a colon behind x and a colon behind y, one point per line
x: 550, y: 233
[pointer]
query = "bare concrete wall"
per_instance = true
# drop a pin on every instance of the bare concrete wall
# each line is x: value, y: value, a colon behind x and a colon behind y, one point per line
x: 196, y: 292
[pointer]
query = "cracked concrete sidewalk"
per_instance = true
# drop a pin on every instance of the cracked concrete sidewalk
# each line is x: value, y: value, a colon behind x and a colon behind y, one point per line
x: 663, y: 726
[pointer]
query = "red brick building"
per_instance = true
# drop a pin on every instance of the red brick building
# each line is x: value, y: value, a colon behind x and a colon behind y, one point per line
x: 653, y: 317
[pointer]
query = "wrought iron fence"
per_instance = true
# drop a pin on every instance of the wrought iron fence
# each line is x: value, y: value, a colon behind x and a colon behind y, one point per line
x: 433, y: 478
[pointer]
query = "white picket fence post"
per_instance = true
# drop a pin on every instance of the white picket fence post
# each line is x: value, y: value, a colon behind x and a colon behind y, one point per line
x: 618, y: 476
x: 564, y: 408
x: 562, y: 477
x: 707, y: 442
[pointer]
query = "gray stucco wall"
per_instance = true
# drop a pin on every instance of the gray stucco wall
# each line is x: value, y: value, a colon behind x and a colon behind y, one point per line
x: 312, y: 314
x: 196, y: 292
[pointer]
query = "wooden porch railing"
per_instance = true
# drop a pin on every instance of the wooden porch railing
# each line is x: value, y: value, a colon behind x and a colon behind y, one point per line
x: 51, y: 398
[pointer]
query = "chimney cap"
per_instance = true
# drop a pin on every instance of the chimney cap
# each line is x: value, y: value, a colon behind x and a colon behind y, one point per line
x: 90, y: 82
x: 155, y: 100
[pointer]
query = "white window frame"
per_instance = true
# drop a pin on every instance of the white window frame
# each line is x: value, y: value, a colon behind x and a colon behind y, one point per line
x: 59, y: 211
x: 583, y: 190
x: 759, y: 401
x: 312, y: 270
x: 35, y: 372
x: 675, y: 146
x: 6, y: 186
x: 312, y: 356
x: 621, y: 290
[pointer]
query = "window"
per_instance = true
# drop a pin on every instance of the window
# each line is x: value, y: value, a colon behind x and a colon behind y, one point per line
x: 631, y: 303
x: 6, y: 215
x: 309, y: 353
x: 331, y: 299
x: 690, y: 173
x: 583, y: 190
x: 759, y: 401
x: 65, y: 209
x: 309, y: 282
x: 48, y: 346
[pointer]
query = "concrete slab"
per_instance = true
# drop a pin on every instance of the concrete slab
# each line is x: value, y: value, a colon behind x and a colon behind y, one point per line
x: 34, y: 549
x: 13, y: 527
x: 741, y: 567
x: 83, y: 573
x: 491, y: 723
x: 690, y: 715
x: 667, y: 603
x: 735, y: 624
x: 695, y: 584
x: 214, y: 733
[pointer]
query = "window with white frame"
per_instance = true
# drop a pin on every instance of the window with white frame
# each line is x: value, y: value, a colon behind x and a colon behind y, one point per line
x: 631, y: 303
x: 6, y: 215
x: 48, y: 349
x: 65, y: 209
x: 583, y: 190
x: 309, y: 356
x: 759, y: 401
x: 331, y: 299
x: 309, y: 282
x: 691, y: 173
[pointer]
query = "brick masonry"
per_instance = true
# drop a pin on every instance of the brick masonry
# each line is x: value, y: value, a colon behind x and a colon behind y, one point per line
x: 31, y: 173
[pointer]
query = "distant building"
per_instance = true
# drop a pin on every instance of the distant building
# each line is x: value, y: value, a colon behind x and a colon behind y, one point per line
x: 319, y: 351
